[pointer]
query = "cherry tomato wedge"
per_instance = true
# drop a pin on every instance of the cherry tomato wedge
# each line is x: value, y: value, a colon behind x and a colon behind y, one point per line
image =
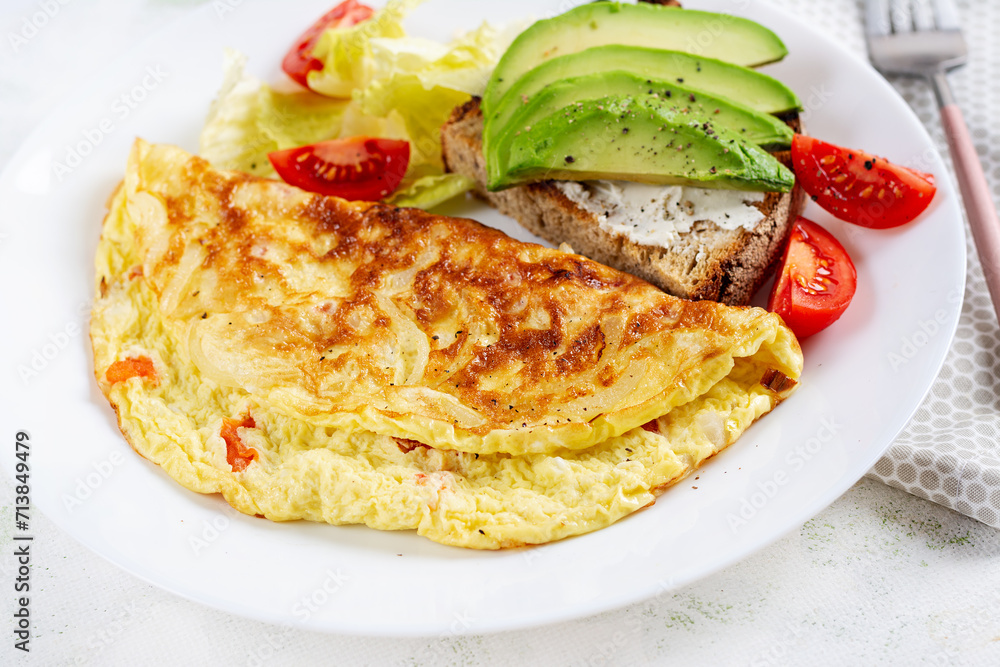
x: 359, y: 168
x: 298, y: 61
x: 816, y: 280
x: 860, y: 188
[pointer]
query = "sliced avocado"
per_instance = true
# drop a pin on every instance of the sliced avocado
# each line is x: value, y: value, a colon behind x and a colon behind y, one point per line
x: 639, y: 139
x: 760, y: 129
x: 751, y: 88
x: 728, y: 38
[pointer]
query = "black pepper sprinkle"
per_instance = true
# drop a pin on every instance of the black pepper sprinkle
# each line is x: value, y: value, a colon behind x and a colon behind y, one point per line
x: 481, y: 532
x: 570, y: 159
x: 680, y: 80
x: 624, y: 130
x: 868, y: 165
x: 712, y: 170
x: 691, y: 97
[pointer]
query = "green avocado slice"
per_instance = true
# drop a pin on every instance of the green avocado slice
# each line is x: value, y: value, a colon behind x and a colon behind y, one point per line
x: 728, y: 38
x: 753, y: 89
x: 639, y: 139
x: 760, y: 129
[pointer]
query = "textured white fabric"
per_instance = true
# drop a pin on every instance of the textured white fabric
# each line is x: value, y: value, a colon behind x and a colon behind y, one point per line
x: 879, y: 577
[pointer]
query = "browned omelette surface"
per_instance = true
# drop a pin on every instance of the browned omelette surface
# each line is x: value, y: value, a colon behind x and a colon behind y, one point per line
x: 313, y: 359
x: 421, y: 326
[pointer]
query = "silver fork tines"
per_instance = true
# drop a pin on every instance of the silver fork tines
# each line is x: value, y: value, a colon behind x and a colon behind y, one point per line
x: 902, y: 12
x: 878, y: 21
x: 901, y: 40
x: 946, y: 15
x: 923, y: 15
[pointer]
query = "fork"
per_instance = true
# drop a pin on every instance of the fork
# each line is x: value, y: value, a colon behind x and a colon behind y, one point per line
x: 904, y: 37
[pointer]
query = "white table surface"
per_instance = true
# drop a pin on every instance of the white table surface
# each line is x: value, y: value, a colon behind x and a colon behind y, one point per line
x: 879, y: 577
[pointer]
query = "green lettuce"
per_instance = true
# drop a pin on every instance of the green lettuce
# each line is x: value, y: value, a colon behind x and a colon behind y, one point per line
x: 345, y: 52
x: 424, y: 81
x: 248, y: 120
x: 429, y: 191
x: 375, y: 81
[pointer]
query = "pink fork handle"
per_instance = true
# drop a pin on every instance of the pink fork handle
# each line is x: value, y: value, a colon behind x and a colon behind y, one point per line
x: 977, y: 197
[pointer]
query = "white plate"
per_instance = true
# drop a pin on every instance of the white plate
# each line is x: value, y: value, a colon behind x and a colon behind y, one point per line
x: 863, y: 379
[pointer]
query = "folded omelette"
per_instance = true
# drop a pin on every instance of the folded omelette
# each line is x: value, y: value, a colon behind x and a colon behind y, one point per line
x: 351, y: 362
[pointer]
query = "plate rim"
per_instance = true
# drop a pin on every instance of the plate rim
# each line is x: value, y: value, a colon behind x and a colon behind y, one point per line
x: 534, y: 619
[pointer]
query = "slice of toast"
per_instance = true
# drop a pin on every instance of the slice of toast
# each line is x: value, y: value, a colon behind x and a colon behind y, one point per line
x: 709, y: 262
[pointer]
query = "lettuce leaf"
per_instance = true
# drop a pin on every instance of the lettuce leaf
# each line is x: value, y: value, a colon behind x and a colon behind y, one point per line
x: 345, y: 52
x: 248, y: 120
x: 428, y: 191
x: 424, y: 81
x: 375, y: 81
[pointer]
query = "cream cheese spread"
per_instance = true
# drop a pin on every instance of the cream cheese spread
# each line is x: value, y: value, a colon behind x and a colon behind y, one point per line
x: 656, y: 215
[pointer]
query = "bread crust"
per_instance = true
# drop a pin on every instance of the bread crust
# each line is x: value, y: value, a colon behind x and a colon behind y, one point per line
x: 711, y: 263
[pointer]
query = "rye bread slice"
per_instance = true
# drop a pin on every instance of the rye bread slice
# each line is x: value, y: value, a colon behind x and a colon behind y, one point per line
x: 708, y: 262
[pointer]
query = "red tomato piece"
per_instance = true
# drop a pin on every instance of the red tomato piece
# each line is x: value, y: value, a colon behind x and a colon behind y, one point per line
x: 816, y: 280
x: 359, y: 168
x: 860, y: 188
x: 238, y: 456
x: 298, y: 61
x: 132, y: 367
